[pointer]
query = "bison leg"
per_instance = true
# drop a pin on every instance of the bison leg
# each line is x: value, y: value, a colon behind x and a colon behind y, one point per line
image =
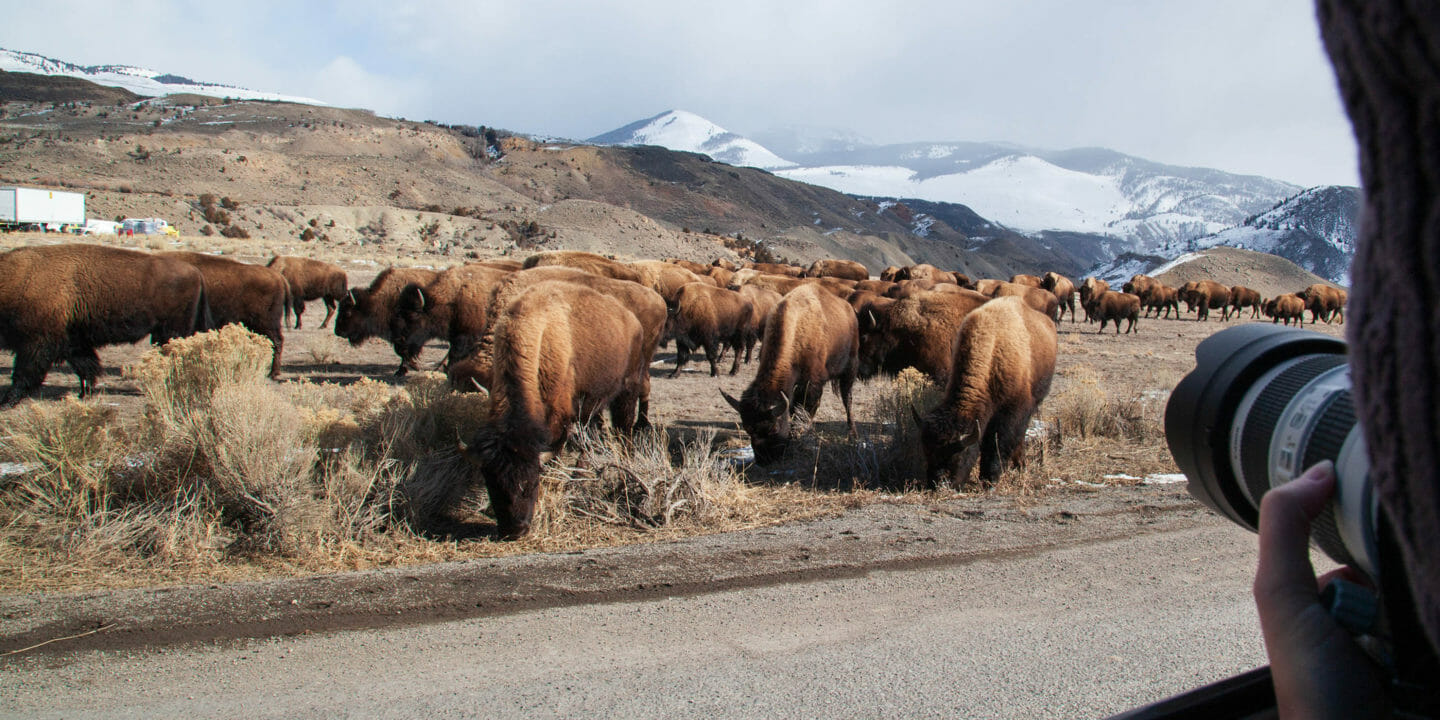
x: 329, y: 313
x: 86, y: 364
x: 32, y: 364
x: 623, y: 411
x: 298, y: 308
x: 844, y: 385
x: 683, y: 346
x: 409, y: 357
x: 714, y: 352
x: 736, y: 343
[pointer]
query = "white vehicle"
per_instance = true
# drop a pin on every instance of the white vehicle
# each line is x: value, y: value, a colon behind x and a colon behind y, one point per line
x: 23, y: 208
x: 146, y: 226
x: 101, y: 227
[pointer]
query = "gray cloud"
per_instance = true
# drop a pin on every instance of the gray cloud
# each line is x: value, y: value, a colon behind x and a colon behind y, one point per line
x: 1241, y: 85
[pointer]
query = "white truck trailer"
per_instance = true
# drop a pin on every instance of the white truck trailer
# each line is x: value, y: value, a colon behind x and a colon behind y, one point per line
x: 24, y: 208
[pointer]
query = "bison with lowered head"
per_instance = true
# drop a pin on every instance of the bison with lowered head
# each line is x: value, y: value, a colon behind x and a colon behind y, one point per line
x: 367, y: 312
x: 61, y: 302
x: 1004, y: 361
x: 562, y: 353
x: 811, y: 338
x: 253, y: 296
x: 453, y: 305
x: 311, y: 280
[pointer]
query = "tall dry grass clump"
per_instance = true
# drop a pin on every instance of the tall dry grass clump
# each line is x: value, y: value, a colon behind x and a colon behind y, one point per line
x: 1086, y: 405
x: 886, y: 454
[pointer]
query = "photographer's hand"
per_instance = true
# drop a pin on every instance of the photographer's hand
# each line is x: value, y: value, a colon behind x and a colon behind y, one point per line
x: 1318, y: 669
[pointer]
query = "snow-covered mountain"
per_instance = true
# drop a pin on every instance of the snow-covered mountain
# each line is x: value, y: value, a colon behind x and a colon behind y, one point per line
x: 688, y: 132
x: 137, y: 80
x: 1316, y: 229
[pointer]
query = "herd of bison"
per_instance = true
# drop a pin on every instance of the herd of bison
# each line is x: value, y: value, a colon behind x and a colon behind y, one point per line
x: 565, y: 335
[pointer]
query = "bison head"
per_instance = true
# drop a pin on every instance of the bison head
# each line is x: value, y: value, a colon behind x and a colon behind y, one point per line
x: 410, y: 322
x: 949, y: 446
x: 766, y: 421
x: 510, y: 467
x: 350, y: 314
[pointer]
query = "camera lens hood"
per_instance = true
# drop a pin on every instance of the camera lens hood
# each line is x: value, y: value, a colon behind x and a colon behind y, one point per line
x: 1201, y: 410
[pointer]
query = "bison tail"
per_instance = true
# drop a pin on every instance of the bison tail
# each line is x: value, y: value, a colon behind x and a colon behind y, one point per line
x: 204, y: 319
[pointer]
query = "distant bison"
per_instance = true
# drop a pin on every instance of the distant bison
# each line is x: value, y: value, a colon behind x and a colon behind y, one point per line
x: 1286, y: 307
x: 844, y: 269
x: 367, y: 312
x: 1324, y: 302
x: 1089, y: 288
x: 311, y: 280
x: 810, y: 339
x: 666, y: 278
x: 1041, y: 301
x: 562, y: 353
x: 1242, y: 297
x: 712, y: 318
x: 1004, y: 363
x: 454, y: 305
x: 917, y: 331
x: 764, y: 302
x: 1027, y: 280
x: 589, y: 262
x: 1063, y: 290
x: 1204, y: 296
x: 1111, y: 306
x: 253, y: 296
x: 62, y: 302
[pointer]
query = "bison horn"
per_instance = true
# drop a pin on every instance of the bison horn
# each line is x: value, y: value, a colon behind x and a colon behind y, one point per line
x: 870, y: 315
x: 421, y: 293
x: 733, y: 402
x: 351, y: 295
x: 465, y: 453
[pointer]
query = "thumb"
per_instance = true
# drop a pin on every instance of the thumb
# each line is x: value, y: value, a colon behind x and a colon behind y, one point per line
x: 1284, y: 574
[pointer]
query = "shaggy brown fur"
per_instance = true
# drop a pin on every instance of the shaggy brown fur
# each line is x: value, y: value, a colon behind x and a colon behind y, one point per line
x: 1163, y: 298
x: 891, y: 274
x: 1111, y: 306
x: 1042, y: 301
x: 764, y: 302
x: 454, y: 305
x: 924, y: 271
x: 1027, y: 280
x: 311, y: 280
x: 917, y: 331
x: 1286, y: 307
x: 647, y: 306
x: 721, y: 276
x: 1064, y: 291
x: 690, y: 265
x: 1090, y: 287
x: 1004, y: 362
x: 589, y: 262
x: 776, y: 283
x: 1324, y: 302
x: 845, y: 269
x: 666, y: 278
x: 879, y: 287
x: 1204, y: 296
x: 506, y: 265
x: 1144, y: 287
x: 562, y: 353
x: 724, y: 264
x: 793, y: 271
x: 1242, y: 297
x: 252, y: 295
x: 987, y: 286
x: 963, y: 280
x: 811, y: 338
x: 709, y: 317
x: 64, y: 301
x: 366, y: 313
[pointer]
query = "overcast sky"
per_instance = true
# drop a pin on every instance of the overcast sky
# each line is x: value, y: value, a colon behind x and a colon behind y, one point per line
x: 1239, y: 85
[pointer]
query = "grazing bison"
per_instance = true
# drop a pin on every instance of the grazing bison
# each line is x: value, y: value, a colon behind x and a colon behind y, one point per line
x: 844, y: 269
x: 1111, y: 306
x: 1204, y: 296
x: 1089, y: 288
x: 916, y: 332
x: 253, y: 296
x: 1242, y: 297
x: 589, y: 262
x: 454, y: 305
x: 963, y: 280
x: 724, y: 264
x: 61, y: 302
x: 709, y: 317
x: 499, y: 264
x: 1004, y: 362
x: 562, y: 352
x: 1286, y: 307
x: 811, y: 338
x: 925, y: 271
x: 1324, y: 301
x: 1064, y: 291
x: 311, y: 280
x: 367, y: 312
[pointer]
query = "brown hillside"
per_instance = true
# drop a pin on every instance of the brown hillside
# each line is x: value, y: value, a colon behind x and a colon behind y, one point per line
x: 1269, y: 274
x: 30, y: 87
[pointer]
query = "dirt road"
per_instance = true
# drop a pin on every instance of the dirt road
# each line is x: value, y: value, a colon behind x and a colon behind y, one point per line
x: 889, y: 611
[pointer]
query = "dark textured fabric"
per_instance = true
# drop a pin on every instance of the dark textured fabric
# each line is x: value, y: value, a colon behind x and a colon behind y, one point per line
x: 1386, y: 55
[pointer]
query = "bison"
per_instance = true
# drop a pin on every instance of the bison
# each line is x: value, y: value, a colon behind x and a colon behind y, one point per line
x: 1204, y: 296
x: 764, y: 302
x: 709, y: 317
x: 917, y: 331
x: 454, y: 305
x: 1026, y: 280
x: 311, y: 280
x: 1286, y: 307
x: 1004, y: 362
x: 1324, y: 301
x: 666, y: 278
x: 562, y: 352
x: 253, y: 296
x: 64, y: 301
x: 367, y: 312
x: 844, y: 269
x: 1042, y: 301
x: 1089, y: 288
x: 787, y: 270
x: 1064, y: 291
x: 812, y: 338
x: 1242, y: 297
x: 1111, y: 306
x: 589, y: 262
x: 690, y: 265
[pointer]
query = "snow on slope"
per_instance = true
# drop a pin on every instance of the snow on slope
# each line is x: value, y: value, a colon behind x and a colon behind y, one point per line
x: 688, y: 132
x: 1021, y: 192
x: 137, y: 80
